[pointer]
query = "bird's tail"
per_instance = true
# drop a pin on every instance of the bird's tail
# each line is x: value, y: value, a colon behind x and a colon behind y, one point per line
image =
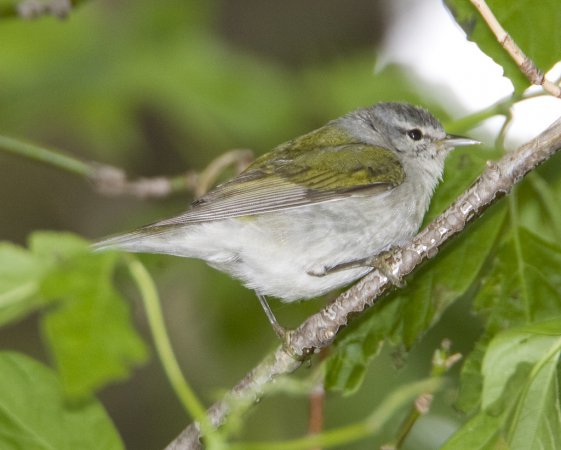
x: 149, y: 239
x: 126, y: 242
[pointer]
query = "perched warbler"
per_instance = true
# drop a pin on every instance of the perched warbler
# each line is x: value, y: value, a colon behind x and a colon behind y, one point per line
x: 301, y: 219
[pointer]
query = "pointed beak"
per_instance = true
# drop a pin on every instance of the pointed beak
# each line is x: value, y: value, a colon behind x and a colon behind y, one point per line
x: 458, y: 141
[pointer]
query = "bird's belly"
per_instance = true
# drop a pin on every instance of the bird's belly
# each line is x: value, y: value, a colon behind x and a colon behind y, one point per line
x: 277, y: 253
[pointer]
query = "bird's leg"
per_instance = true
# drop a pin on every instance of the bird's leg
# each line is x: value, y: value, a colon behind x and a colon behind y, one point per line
x: 378, y: 262
x: 281, y: 332
x: 326, y: 270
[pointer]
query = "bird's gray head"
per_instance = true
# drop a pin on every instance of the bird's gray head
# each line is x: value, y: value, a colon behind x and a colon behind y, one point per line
x: 409, y: 130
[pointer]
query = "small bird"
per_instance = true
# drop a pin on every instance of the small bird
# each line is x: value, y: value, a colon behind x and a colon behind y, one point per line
x: 302, y: 220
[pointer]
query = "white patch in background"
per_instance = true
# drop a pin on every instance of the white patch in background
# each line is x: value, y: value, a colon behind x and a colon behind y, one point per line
x: 425, y: 37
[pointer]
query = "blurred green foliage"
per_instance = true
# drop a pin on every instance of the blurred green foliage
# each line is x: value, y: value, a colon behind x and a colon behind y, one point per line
x: 159, y: 89
x: 520, y: 391
x: 35, y: 413
x: 85, y: 322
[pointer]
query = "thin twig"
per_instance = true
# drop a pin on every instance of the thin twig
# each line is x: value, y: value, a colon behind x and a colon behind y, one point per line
x: 370, y: 426
x: 319, y: 330
x: 501, y: 135
x: 442, y: 362
x: 112, y: 181
x: 500, y: 108
x: 525, y: 64
x: 239, y: 159
x: 420, y: 407
x: 316, y: 400
x: 34, y: 9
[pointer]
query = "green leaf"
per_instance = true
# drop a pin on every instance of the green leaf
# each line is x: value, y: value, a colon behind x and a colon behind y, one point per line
x: 449, y: 276
x: 88, y: 328
x: 53, y: 247
x: 347, y: 365
x: 35, y: 416
x: 520, y: 395
x: 451, y: 273
x: 471, y: 383
x: 409, y: 312
x: 89, y: 332
x: 522, y: 286
x: 538, y: 209
x: 481, y: 432
x: 20, y: 275
x: 537, y: 423
x: 510, y: 348
x: 22, y: 271
x: 536, y: 30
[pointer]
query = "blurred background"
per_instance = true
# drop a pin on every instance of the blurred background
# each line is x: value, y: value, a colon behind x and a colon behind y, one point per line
x: 159, y: 88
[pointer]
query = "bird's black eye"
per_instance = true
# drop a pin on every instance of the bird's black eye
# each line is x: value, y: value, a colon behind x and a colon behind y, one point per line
x: 415, y: 134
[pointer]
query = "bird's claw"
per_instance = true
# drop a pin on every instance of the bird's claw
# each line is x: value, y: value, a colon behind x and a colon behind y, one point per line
x: 377, y: 262
x: 380, y: 263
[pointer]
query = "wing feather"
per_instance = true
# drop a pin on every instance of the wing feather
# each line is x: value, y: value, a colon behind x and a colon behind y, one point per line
x: 290, y: 182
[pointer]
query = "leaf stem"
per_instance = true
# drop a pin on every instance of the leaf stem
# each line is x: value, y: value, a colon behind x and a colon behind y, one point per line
x: 500, y: 108
x: 47, y: 156
x: 113, y: 181
x: 184, y: 392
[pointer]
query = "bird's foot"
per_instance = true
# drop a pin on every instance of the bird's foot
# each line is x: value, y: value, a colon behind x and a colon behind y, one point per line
x: 378, y: 261
x: 283, y: 334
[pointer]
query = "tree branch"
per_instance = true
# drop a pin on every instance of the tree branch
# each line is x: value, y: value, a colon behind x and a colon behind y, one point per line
x: 525, y: 64
x: 319, y: 330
